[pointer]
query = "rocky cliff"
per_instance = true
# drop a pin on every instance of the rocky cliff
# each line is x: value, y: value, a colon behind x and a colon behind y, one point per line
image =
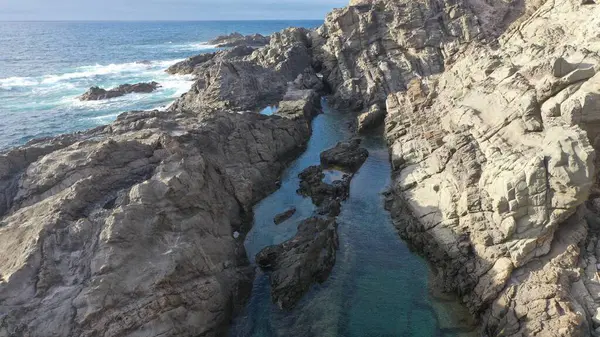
x: 492, y: 122
x: 137, y: 228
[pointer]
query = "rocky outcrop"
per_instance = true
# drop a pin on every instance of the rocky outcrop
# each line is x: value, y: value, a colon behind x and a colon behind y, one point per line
x: 259, y: 79
x: 133, y: 228
x: 237, y: 39
x: 375, y: 48
x: 309, y: 256
x: 370, y: 119
x: 327, y: 196
x: 348, y: 156
x: 197, y: 64
x: 492, y: 120
x: 97, y: 93
x: 284, y: 216
x: 305, y: 259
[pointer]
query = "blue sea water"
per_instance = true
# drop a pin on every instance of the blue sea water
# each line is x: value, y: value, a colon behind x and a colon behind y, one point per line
x: 44, y: 66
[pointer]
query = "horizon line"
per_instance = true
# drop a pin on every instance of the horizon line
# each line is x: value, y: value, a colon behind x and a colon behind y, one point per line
x: 163, y: 20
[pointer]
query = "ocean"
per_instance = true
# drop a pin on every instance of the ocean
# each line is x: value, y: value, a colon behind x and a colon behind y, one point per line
x: 45, y: 66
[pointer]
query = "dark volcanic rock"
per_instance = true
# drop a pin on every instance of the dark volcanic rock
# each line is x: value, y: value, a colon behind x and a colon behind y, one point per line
x: 301, y: 261
x: 97, y: 93
x: 237, y: 39
x: 285, y: 215
x: 326, y: 196
x: 346, y: 155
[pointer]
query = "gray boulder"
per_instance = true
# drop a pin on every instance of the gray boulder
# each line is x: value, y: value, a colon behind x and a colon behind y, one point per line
x: 345, y: 155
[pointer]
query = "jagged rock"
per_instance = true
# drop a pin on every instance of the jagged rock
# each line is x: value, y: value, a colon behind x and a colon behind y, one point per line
x: 307, y: 101
x: 254, y: 81
x: 371, y: 119
x: 284, y: 216
x: 104, y: 232
x: 96, y: 93
x: 493, y: 152
x: 197, y: 64
x: 237, y: 39
x: 326, y: 196
x: 305, y: 259
x: 345, y: 155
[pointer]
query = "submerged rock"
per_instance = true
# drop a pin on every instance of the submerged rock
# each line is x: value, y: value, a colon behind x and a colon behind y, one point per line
x: 284, y: 216
x: 327, y: 196
x: 237, y: 39
x: 345, y: 155
x: 97, y: 93
x: 298, y: 263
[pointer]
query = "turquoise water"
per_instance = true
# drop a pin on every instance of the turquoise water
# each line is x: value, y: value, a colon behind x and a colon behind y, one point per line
x: 44, y: 66
x: 377, y: 287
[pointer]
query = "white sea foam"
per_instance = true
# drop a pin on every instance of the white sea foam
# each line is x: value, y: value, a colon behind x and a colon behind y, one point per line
x: 196, y: 46
x: 12, y: 82
x: 133, y: 68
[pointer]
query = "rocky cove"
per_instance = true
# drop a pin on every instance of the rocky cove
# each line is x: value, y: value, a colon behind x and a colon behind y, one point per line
x: 149, y: 226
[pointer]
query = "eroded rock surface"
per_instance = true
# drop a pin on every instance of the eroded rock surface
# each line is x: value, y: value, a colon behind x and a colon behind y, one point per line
x: 284, y: 216
x: 298, y: 263
x: 237, y: 39
x: 492, y: 120
x: 195, y: 65
x: 97, y: 93
x: 347, y: 155
x: 259, y: 79
x: 130, y: 229
x: 370, y: 119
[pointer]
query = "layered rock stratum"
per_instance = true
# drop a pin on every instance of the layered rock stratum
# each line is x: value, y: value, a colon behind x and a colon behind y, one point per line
x: 492, y: 122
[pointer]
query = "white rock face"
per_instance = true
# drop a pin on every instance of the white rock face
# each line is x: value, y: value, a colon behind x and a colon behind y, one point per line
x: 493, y: 112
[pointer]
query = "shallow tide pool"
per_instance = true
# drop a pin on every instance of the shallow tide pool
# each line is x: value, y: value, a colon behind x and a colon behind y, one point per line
x: 377, y: 287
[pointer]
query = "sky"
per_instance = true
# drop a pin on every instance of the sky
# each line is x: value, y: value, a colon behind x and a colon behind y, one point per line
x: 18, y: 10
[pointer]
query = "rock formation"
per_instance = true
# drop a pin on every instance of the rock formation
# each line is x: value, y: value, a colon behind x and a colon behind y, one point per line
x: 137, y: 227
x: 370, y: 119
x: 284, y: 216
x: 309, y: 256
x: 237, y: 39
x: 259, y: 79
x: 348, y: 156
x: 492, y: 114
x: 96, y: 93
x: 305, y: 259
x: 196, y: 64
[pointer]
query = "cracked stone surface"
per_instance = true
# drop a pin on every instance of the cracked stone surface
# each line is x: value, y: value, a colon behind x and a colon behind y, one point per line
x: 132, y: 229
